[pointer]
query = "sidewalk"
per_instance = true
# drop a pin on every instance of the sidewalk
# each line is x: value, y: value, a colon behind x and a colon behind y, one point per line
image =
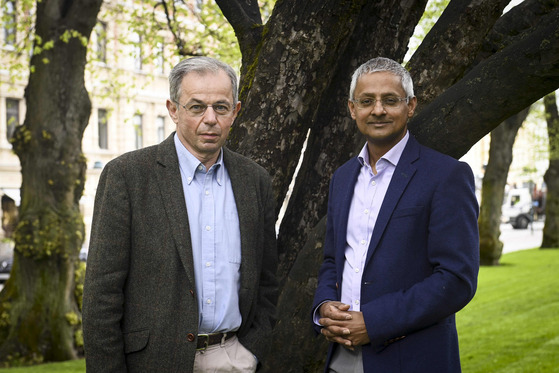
x: 521, y: 239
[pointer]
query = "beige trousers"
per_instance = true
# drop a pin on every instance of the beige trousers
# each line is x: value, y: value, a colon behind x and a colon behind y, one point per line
x: 229, y: 356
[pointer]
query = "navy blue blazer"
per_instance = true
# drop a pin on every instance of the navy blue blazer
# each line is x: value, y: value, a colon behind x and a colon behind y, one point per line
x: 422, y: 261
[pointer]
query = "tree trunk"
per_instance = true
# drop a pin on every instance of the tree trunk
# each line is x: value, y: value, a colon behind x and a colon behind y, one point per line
x: 493, y: 188
x: 298, y: 80
x: 40, y: 310
x: 551, y: 177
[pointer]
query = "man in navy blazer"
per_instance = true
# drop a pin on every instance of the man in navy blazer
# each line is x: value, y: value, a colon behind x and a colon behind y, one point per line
x: 401, y: 253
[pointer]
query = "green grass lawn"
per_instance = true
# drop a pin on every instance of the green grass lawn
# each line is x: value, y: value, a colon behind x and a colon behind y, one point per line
x: 76, y: 366
x: 512, y: 324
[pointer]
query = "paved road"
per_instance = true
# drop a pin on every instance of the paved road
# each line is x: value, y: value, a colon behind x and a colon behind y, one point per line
x: 520, y: 239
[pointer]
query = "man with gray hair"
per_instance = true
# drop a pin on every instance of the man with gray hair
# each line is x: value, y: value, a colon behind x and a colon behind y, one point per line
x: 401, y: 253
x: 181, y: 268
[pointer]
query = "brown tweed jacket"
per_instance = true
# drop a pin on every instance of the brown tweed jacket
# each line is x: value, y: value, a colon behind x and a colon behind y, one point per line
x: 140, y: 312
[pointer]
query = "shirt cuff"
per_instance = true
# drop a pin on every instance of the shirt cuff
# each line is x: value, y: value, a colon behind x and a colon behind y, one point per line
x: 316, y: 315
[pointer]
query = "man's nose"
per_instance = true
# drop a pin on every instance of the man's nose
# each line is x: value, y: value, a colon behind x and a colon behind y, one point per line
x: 378, y: 109
x: 209, y: 115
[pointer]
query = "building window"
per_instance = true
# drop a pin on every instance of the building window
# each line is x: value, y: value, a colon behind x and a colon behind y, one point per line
x: 12, y: 116
x: 138, y: 130
x: 102, y: 122
x: 9, y: 18
x: 101, y: 41
x: 160, y: 124
x: 160, y: 59
x: 137, y: 50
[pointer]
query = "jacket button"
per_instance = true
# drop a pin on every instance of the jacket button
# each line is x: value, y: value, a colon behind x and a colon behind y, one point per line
x: 192, y: 292
x: 190, y: 337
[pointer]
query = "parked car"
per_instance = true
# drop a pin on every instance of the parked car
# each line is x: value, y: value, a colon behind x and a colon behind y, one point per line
x: 518, y: 208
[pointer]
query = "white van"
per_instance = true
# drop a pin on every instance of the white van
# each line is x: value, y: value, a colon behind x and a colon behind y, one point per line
x: 518, y: 208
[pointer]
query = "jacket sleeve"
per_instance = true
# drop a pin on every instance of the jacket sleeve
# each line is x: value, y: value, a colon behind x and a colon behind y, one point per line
x: 327, y: 288
x: 107, y: 268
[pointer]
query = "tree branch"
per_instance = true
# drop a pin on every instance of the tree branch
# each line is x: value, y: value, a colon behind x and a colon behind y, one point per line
x: 510, y: 79
x: 439, y: 62
x: 513, y: 25
x: 246, y: 20
x: 176, y: 31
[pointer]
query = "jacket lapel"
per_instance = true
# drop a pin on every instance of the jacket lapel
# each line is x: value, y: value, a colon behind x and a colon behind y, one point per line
x: 172, y: 194
x: 400, y: 179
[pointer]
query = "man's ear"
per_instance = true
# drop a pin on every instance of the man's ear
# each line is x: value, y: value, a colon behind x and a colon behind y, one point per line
x: 173, y: 108
x: 412, y: 105
x: 237, y: 108
x: 351, y: 106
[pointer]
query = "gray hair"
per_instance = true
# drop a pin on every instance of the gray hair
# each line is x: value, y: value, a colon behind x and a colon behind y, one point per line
x: 200, y: 65
x: 382, y: 64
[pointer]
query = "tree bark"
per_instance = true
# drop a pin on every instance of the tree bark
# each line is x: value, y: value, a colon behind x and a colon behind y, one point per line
x: 40, y: 310
x: 493, y: 188
x: 451, y: 46
x: 301, y: 46
x: 551, y: 177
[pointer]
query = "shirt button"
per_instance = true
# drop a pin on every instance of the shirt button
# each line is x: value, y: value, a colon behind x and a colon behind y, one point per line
x: 373, y: 183
x: 209, y: 301
x: 208, y: 264
x: 200, y: 168
x: 362, y: 242
x: 356, y: 270
x: 357, y: 301
x: 207, y: 192
x: 189, y: 179
x: 366, y: 211
x: 208, y: 227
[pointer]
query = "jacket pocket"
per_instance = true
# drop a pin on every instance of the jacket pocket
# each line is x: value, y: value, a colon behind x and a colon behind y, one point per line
x: 407, y: 211
x: 135, y: 341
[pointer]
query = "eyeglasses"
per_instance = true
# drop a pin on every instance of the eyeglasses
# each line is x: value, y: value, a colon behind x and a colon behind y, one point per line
x: 391, y: 102
x: 197, y: 109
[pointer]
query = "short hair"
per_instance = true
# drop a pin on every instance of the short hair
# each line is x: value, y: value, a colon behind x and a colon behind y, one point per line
x: 199, y: 65
x: 379, y: 64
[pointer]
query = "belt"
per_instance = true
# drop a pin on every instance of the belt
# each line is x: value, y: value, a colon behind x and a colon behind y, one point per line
x: 206, y: 340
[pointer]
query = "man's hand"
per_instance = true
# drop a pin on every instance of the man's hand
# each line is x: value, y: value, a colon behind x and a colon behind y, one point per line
x: 343, y: 326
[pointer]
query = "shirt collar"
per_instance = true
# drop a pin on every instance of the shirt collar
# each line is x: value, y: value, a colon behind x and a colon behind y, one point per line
x: 392, y: 156
x: 189, y: 164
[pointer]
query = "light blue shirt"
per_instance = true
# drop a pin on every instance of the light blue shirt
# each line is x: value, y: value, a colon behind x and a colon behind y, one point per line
x: 216, y: 241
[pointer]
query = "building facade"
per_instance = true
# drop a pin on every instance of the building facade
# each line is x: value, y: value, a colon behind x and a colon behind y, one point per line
x: 127, y: 81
